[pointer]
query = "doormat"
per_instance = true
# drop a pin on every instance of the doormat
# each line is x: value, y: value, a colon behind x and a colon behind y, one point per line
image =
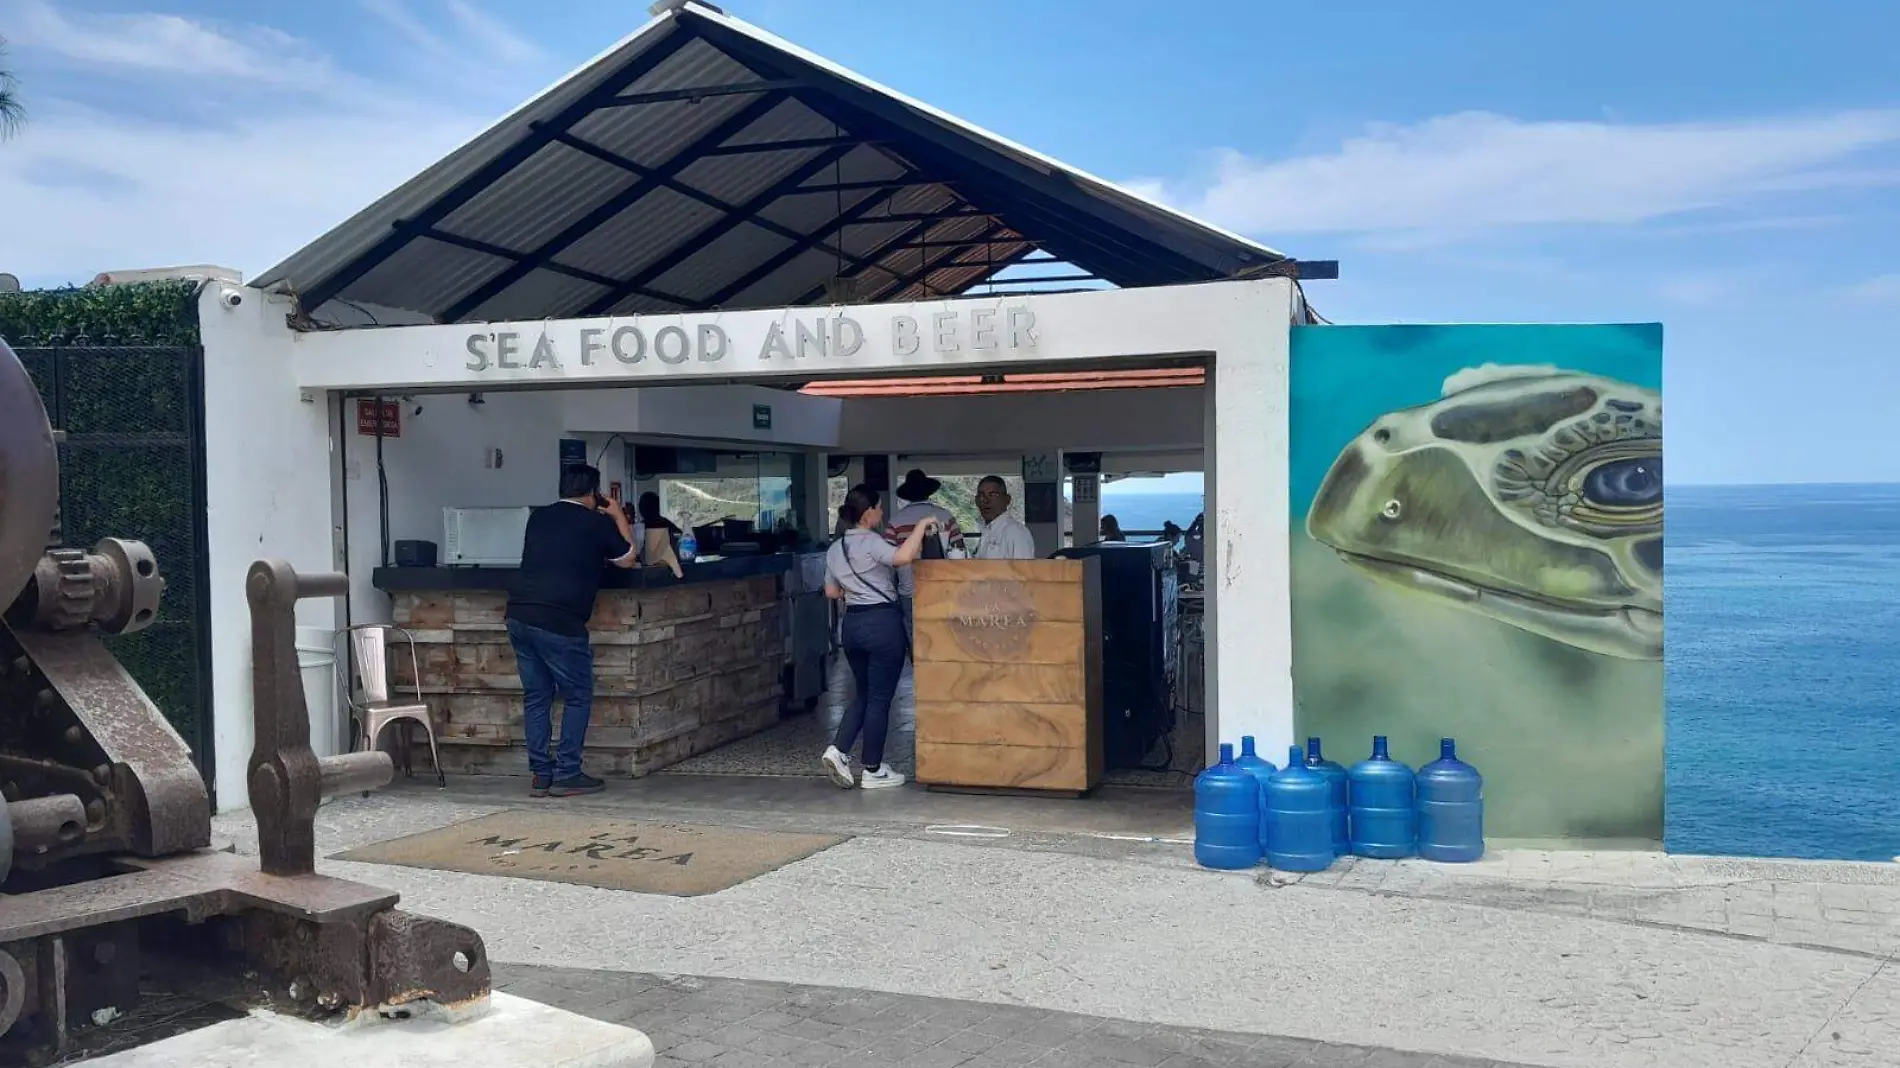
x: 646, y: 858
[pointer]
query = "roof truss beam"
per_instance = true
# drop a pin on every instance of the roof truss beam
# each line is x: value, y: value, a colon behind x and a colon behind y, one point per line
x: 907, y: 182
x: 791, y: 183
x: 793, y: 145
x: 680, y: 187
x: 1040, y: 278
x: 855, y: 213
x: 1126, y: 248
x: 929, y: 266
x: 499, y: 252
x: 611, y: 207
x: 472, y: 185
x: 874, y: 260
x: 695, y: 94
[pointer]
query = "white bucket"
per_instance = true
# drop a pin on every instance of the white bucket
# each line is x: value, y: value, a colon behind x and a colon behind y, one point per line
x: 316, y: 661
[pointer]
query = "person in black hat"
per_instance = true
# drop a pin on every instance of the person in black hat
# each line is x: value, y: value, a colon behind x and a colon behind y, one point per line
x: 915, y: 491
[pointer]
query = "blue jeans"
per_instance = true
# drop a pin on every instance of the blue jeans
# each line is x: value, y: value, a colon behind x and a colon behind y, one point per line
x: 553, y: 664
x: 874, y: 647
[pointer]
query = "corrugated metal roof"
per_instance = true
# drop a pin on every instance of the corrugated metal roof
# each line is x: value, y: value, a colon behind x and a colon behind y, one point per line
x: 628, y: 187
x: 967, y: 385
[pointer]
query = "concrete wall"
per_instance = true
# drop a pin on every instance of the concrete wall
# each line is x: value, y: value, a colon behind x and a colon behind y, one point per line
x: 1103, y: 421
x: 267, y: 461
x: 280, y: 382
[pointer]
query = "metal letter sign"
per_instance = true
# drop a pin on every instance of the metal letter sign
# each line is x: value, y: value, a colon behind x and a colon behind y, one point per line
x: 761, y: 417
x: 686, y: 343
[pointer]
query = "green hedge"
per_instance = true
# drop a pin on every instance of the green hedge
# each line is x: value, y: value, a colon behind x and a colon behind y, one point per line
x: 145, y: 313
x: 124, y: 374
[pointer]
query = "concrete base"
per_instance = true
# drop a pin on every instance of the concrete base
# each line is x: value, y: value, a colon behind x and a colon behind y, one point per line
x: 511, y: 1032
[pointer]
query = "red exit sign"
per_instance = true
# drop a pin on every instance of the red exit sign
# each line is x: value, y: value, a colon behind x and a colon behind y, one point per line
x: 368, y: 423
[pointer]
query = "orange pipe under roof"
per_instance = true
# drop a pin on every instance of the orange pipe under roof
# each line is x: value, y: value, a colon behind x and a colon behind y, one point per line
x: 1037, y: 382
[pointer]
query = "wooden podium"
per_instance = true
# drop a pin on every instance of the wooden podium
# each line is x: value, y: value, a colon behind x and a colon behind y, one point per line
x: 1008, y: 663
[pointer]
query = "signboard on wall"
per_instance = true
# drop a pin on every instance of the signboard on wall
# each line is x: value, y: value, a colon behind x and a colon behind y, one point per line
x: 1041, y: 467
x: 761, y: 417
x: 369, y: 425
x: 796, y: 336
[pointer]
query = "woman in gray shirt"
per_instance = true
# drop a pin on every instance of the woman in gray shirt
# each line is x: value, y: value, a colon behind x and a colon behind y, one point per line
x: 861, y: 570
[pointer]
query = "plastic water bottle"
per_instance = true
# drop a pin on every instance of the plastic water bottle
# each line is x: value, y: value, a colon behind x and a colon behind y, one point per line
x: 1450, y: 808
x: 1297, y: 820
x: 1383, y: 817
x: 1336, y: 780
x: 1253, y: 763
x: 689, y: 548
x: 1226, y: 815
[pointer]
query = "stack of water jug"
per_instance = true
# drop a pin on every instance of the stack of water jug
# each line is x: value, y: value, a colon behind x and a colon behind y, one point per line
x: 1303, y: 816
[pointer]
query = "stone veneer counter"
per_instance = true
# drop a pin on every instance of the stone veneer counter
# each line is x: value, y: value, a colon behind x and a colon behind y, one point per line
x: 681, y: 666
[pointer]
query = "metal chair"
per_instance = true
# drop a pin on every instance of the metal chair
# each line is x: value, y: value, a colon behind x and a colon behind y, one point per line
x: 372, y: 699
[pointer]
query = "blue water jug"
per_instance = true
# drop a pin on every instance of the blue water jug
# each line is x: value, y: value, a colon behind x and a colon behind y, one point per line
x: 1253, y: 763
x: 1379, y: 796
x: 1336, y: 781
x: 1297, y: 817
x: 688, y: 550
x: 1450, y: 808
x: 1226, y: 815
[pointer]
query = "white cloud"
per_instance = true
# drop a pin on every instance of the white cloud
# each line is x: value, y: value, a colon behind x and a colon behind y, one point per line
x: 89, y: 186
x: 153, y: 43
x: 417, y: 32
x: 1475, y: 171
x: 88, y: 192
x: 1880, y: 289
x: 498, y: 38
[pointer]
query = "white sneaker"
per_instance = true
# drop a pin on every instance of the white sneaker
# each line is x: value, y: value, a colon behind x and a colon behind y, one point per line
x: 880, y: 779
x: 838, y: 767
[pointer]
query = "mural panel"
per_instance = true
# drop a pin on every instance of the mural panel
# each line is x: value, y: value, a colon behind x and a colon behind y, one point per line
x: 1478, y: 553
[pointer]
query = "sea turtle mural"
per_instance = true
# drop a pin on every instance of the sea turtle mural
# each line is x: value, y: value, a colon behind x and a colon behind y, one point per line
x: 1528, y: 494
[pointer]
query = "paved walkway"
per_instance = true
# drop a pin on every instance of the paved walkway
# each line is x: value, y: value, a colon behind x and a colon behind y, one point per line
x: 733, y: 1023
x: 1558, y: 959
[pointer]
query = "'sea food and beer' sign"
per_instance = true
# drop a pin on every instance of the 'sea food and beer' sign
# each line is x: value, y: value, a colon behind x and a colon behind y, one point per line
x: 821, y: 335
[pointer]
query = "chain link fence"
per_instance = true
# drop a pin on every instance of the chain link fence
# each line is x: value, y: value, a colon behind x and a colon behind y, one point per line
x: 131, y: 465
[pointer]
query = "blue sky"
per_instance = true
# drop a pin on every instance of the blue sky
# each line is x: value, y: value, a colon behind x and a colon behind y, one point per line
x: 1732, y: 170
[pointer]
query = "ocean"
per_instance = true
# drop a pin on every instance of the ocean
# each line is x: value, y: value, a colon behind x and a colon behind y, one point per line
x: 1147, y: 511
x: 1782, y: 669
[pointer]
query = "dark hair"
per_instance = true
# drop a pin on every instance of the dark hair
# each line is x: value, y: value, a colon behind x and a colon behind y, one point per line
x: 650, y: 508
x: 858, y: 501
x: 996, y: 479
x: 579, y: 480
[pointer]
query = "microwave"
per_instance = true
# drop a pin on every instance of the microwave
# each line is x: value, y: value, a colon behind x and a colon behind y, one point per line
x: 483, y: 537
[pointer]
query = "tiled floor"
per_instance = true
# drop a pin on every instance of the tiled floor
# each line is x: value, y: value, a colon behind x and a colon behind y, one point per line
x: 732, y: 1022
x: 792, y: 747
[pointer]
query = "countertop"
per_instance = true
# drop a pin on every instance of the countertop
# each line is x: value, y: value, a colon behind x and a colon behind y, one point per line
x: 394, y: 579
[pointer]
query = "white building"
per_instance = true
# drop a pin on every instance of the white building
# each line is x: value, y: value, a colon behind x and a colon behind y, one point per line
x: 668, y: 244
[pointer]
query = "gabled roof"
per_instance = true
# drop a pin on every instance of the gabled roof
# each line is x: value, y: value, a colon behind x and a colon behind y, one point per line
x: 703, y: 163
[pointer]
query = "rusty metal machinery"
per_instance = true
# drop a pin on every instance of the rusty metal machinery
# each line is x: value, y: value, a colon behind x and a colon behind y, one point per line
x: 109, y: 890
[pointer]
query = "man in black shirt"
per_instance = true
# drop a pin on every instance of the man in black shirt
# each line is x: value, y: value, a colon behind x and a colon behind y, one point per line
x: 566, y: 546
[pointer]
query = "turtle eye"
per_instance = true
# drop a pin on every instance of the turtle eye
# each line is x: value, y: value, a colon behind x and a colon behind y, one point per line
x: 1632, y: 483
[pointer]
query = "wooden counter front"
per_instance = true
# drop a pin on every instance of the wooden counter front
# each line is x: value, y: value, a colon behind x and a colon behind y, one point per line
x: 1008, y: 661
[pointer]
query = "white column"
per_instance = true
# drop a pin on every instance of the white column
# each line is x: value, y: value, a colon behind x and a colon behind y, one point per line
x: 1088, y: 509
x: 1043, y: 467
x: 1249, y: 607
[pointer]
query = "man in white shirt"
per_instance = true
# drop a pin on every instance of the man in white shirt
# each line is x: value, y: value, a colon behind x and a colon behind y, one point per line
x: 1004, y: 536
